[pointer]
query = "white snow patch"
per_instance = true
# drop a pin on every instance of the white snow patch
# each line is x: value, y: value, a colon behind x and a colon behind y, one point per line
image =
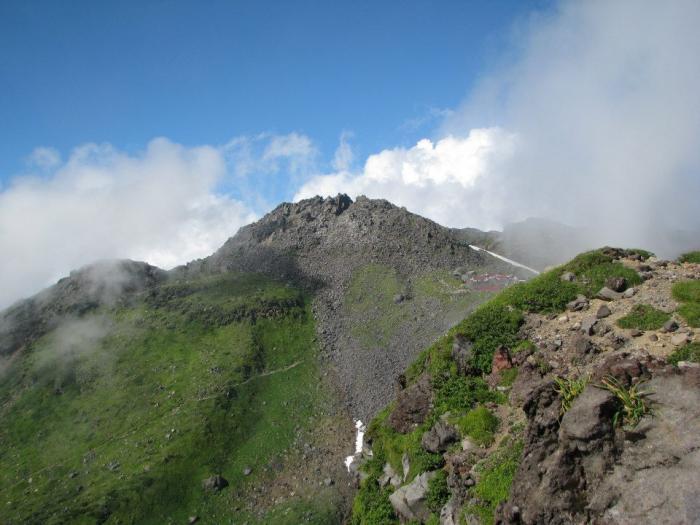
x: 359, y: 440
x: 509, y: 261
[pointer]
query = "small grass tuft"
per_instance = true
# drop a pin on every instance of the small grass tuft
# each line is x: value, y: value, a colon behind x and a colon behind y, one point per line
x: 508, y: 376
x: 688, y: 292
x: 371, y: 505
x: 690, y: 257
x: 438, y: 493
x: 691, y: 313
x: 524, y: 346
x: 569, y: 390
x: 644, y: 317
x: 632, y: 400
x: 689, y: 352
x: 496, y: 477
x: 479, y: 424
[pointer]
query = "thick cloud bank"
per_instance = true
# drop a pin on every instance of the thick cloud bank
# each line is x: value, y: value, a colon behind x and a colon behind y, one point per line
x: 443, y: 180
x: 159, y: 205
x: 594, y: 121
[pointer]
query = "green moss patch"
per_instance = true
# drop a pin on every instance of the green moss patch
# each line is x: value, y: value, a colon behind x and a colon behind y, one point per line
x: 689, y: 352
x: 480, y: 424
x: 438, y: 493
x: 496, y: 475
x: 688, y: 292
x: 371, y: 505
x: 644, y: 317
x: 690, y: 257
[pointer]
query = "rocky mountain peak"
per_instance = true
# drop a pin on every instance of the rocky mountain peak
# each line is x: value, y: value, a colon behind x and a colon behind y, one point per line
x: 103, y: 283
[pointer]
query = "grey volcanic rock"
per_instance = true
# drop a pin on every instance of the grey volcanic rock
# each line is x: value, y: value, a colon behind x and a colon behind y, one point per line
x: 438, y: 438
x: 214, y: 483
x: 409, y: 500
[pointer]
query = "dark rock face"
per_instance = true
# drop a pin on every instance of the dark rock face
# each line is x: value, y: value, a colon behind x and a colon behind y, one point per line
x: 581, y: 469
x: 560, y: 460
x: 412, y: 406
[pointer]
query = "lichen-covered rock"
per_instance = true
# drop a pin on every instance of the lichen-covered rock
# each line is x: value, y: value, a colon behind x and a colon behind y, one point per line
x: 462, y: 355
x: 438, y: 438
x: 409, y: 501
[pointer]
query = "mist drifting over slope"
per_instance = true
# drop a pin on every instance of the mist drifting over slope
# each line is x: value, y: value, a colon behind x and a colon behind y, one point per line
x: 593, y: 121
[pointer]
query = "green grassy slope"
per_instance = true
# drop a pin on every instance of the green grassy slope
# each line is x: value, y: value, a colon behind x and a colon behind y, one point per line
x: 119, y: 416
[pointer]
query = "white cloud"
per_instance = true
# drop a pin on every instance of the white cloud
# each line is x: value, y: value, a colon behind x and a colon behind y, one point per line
x: 44, y: 158
x: 446, y: 180
x: 342, y: 160
x: 159, y: 205
x: 602, y: 97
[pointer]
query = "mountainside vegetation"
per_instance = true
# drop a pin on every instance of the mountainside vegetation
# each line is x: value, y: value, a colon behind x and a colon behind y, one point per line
x: 118, y: 416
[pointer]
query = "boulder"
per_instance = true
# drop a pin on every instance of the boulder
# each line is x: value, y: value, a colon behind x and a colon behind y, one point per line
x: 577, y: 304
x: 214, y: 483
x: 616, y: 284
x: 581, y: 344
x: 389, y: 477
x: 449, y: 514
x: 670, y: 326
x: 679, y: 339
x: 590, y: 416
x: 412, y: 406
x: 462, y: 355
x: 409, y: 501
x: 438, y: 438
x: 603, y: 312
x: 608, y: 294
x: 568, y: 277
x: 629, y: 293
x: 501, y: 360
x: 588, y: 325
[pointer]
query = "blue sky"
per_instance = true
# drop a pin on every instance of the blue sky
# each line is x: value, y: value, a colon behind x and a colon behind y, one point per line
x: 153, y: 130
x: 204, y: 72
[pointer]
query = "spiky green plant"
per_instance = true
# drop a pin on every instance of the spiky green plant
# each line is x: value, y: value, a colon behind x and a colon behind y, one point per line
x: 632, y: 399
x: 569, y: 389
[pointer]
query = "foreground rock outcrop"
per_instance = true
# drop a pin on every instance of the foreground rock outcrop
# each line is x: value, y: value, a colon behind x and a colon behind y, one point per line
x: 586, y: 411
